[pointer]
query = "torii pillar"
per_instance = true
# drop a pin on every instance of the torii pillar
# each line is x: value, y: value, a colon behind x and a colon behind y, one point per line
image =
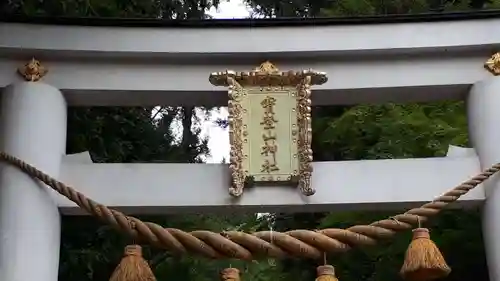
x: 32, y: 128
x: 483, y: 106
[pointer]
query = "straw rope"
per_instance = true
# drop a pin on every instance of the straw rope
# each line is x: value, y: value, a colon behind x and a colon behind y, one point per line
x: 240, y: 245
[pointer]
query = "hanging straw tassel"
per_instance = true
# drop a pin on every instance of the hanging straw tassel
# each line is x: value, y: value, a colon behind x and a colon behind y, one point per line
x: 423, y: 260
x: 133, y: 267
x: 326, y: 273
x: 230, y: 274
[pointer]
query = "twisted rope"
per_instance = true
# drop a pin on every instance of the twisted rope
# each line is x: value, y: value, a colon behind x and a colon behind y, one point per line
x: 245, y: 246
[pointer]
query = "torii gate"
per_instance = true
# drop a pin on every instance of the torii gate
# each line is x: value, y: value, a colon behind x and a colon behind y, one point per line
x: 97, y: 65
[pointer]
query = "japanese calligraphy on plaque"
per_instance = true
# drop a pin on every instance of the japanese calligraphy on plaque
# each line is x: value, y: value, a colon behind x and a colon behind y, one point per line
x: 269, y: 126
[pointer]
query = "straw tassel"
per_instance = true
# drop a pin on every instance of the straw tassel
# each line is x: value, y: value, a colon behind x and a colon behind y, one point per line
x: 133, y: 267
x: 423, y: 260
x: 326, y: 273
x: 230, y: 274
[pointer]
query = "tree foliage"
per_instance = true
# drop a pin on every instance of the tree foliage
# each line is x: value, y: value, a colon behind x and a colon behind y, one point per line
x: 388, y: 131
x: 166, y: 9
x: 321, y: 8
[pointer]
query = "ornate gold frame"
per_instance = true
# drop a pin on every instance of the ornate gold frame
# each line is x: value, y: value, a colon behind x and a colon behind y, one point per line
x: 269, y: 77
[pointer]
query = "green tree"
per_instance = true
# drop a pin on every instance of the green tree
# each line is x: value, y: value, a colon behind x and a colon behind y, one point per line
x: 167, y: 9
x: 321, y: 8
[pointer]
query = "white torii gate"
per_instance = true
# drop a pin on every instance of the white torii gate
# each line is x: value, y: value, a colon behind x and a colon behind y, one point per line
x: 95, y: 65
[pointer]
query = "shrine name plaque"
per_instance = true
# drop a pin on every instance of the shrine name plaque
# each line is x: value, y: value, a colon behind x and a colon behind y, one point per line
x: 269, y: 126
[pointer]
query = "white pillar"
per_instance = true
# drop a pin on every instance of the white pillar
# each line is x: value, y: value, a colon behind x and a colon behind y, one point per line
x: 484, y: 131
x: 33, y: 128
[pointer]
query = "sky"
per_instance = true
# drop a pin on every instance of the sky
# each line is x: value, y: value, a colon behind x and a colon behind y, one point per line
x: 234, y: 9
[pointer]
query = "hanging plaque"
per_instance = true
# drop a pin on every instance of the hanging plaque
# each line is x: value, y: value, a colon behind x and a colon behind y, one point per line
x: 269, y: 126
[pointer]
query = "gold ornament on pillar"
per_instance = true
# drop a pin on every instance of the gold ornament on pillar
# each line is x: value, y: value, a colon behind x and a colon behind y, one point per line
x: 133, y: 267
x: 493, y: 64
x: 32, y: 71
x: 423, y: 260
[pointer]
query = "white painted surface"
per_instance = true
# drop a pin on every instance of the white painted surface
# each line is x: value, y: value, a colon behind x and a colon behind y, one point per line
x: 458, y: 151
x: 423, y: 78
x: 343, y: 185
x: 484, y: 123
x: 341, y: 39
x: 33, y: 128
x: 82, y: 158
x: 170, y: 66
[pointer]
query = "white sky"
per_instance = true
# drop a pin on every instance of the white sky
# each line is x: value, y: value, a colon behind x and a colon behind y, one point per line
x: 218, y: 138
x: 234, y: 9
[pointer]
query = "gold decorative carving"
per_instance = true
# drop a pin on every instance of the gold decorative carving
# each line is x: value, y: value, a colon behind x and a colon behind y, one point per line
x: 32, y: 71
x: 493, y: 64
x: 267, y: 75
x: 305, y: 136
x: 283, y: 149
x: 236, y: 135
x: 268, y: 68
